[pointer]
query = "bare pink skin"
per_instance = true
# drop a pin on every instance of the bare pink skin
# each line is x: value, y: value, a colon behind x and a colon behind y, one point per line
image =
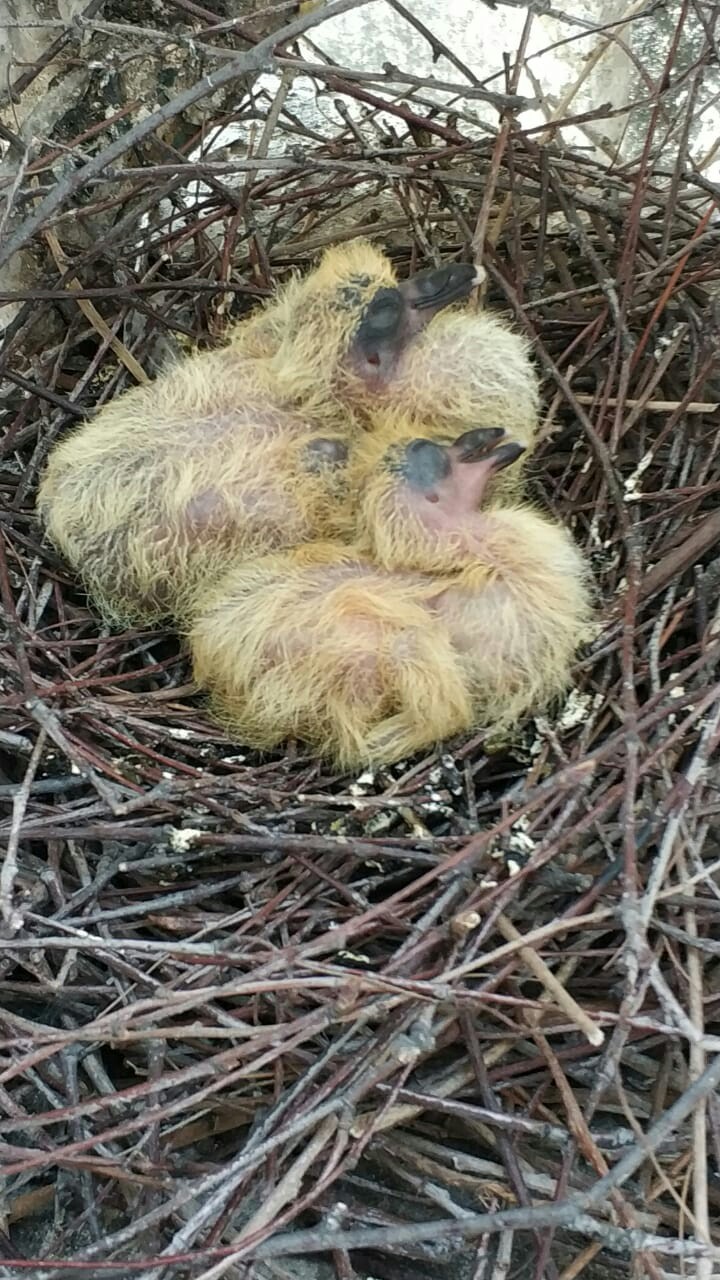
x: 451, y: 504
x: 261, y: 508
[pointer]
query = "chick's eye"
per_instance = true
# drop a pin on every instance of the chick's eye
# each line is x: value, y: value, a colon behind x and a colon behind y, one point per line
x: 383, y: 316
x: 348, y: 297
x: 383, y: 321
x: 378, y: 341
x: 325, y: 451
x: 424, y: 466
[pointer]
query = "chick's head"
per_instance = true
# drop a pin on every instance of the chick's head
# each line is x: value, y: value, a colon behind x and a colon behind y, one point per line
x: 421, y: 508
x: 391, y: 322
x: 341, y: 330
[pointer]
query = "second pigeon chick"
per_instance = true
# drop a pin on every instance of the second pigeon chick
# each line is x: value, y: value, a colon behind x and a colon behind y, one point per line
x: 442, y: 616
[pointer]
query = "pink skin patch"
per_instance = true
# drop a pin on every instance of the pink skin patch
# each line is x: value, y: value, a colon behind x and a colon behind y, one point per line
x: 213, y: 516
x: 352, y: 642
x: 455, y: 497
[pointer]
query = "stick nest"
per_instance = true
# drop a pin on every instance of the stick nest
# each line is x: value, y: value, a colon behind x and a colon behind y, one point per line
x: 261, y: 1020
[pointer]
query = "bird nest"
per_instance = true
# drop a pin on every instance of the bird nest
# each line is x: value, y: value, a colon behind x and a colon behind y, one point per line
x: 457, y: 1017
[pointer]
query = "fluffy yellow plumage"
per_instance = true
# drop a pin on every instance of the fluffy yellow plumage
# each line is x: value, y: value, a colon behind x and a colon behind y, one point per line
x: 324, y: 506
x: 218, y: 457
x: 439, y: 617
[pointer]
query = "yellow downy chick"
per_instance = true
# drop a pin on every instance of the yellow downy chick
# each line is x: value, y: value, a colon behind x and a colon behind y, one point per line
x: 442, y: 616
x: 219, y: 456
x: 443, y: 371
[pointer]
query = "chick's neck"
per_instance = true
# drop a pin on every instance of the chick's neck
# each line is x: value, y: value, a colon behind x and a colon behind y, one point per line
x: 512, y: 545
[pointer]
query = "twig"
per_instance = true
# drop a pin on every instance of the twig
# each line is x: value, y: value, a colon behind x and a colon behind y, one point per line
x: 561, y: 997
x: 12, y: 916
x: 256, y: 59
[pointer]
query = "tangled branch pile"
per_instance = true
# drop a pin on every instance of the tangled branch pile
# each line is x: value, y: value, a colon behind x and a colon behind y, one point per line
x: 459, y: 1017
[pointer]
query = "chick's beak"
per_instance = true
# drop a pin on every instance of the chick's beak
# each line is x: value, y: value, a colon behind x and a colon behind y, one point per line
x: 430, y: 291
x: 505, y: 455
x: 479, y: 464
